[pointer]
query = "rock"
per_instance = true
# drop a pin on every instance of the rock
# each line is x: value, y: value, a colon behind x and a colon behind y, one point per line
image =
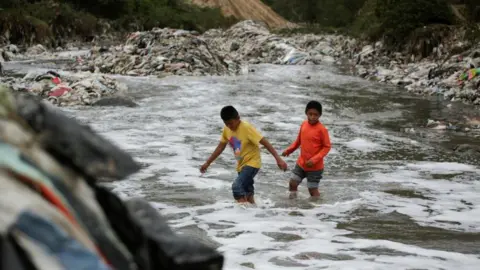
x: 248, y: 264
x: 286, y: 262
x: 3, y: 56
x: 12, y: 49
x: 283, y: 237
x: 234, y: 46
x: 8, y: 56
x: 115, y: 101
x: 37, y: 49
x: 467, y: 149
x: 323, y: 256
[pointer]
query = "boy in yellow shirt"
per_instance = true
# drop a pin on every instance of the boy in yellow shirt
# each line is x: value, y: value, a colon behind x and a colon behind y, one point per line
x: 245, y: 141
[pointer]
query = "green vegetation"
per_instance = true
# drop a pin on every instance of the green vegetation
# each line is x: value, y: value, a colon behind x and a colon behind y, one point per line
x: 397, y: 21
x: 327, y: 13
x: 51, y: 21
x: 399, y: 18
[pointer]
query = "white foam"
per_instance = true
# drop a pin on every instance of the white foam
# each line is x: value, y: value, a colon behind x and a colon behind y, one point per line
x: 363, y: 145
x: 175, y: 130
x: 442, y: 167
x: 68, y: 54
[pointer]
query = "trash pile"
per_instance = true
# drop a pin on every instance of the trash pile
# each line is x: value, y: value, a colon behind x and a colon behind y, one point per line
x: 78, y: 89
x: 159, y: 52
x: 168, y: 51
x: 252, y: 42
x: 8, y: 53
x: 56, y: 215
x: 11, y: 52
x: 450, y: 69
x: 451, y: 75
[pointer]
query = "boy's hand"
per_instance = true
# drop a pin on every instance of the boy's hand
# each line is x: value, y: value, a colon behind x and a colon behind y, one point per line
x: 309, y: 163
x: 204, y: 167
x: 282, y: 164
x: 285, y: 153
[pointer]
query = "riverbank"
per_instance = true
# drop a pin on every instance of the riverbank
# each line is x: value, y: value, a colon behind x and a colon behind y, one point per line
x: 449, y: 71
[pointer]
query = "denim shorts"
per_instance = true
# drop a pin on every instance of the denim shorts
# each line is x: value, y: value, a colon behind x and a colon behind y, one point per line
x: 313, y: 177
x: 243, y: 184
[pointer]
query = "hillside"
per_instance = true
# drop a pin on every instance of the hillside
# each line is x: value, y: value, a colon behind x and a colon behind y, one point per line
x: 247, y: 9
x: 53, y: 22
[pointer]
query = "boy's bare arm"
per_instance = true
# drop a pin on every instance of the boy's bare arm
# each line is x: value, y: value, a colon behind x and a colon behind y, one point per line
x: 220, y: 147
x: 281, y: 164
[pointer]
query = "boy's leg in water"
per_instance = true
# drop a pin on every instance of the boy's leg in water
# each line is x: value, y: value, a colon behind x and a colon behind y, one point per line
x: 242, y: 187
x: 296, y: 178
x: 314, y: 192
x: 313, y: 181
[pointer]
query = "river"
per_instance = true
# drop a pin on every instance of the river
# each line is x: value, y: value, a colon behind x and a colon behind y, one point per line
x: 389, y: 199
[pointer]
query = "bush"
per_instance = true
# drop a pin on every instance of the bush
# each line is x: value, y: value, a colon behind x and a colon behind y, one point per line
x: 473, y: 10
x: 64, y: 21
x: 398, y: 18
x: 326, y: 13
x: 367, y: 24
x: 20, y: 28
x: 40, y: 20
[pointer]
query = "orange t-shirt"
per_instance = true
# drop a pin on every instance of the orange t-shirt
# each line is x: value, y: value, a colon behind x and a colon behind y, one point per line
x: 314, y: 143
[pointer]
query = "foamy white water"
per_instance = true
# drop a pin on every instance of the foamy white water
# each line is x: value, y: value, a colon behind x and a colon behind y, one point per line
x: 370, y: 173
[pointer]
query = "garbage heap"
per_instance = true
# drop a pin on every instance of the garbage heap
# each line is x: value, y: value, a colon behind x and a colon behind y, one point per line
x: 158, y: 52
x: 56, y: 215
x: 76, y: 89
x: 252, y: 42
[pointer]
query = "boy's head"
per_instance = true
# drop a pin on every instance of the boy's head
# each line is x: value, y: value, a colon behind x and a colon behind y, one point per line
x: 230, y: 117
x: 313, y: 111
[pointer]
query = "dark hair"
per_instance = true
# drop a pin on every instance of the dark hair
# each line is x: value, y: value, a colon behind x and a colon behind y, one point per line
x: 228, y: 113
x: 314, y: 105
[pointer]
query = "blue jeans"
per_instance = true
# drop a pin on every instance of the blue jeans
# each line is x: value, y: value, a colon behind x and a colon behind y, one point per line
x: 243, y: 185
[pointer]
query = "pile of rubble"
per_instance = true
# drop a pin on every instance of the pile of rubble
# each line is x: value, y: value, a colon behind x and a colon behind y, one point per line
x: 13, y: 53
x: 216, y: 52
x: 56, y: 214
x: 159, y: 52
x: 252, y: 42
x: 77, y: 89
x: 451, y: 70
x: 166, y: 51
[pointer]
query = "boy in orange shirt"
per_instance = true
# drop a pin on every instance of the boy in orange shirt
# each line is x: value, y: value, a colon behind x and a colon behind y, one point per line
x: 314, y: 143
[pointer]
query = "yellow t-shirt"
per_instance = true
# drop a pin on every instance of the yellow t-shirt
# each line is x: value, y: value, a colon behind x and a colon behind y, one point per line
x: 245, y: 143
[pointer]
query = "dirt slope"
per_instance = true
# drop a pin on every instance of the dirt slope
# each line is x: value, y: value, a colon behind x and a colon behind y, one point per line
x: 247, y: 9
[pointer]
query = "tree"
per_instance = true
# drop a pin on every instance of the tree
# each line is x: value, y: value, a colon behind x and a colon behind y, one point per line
x: 400, y: 17
x: 472, y: 10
